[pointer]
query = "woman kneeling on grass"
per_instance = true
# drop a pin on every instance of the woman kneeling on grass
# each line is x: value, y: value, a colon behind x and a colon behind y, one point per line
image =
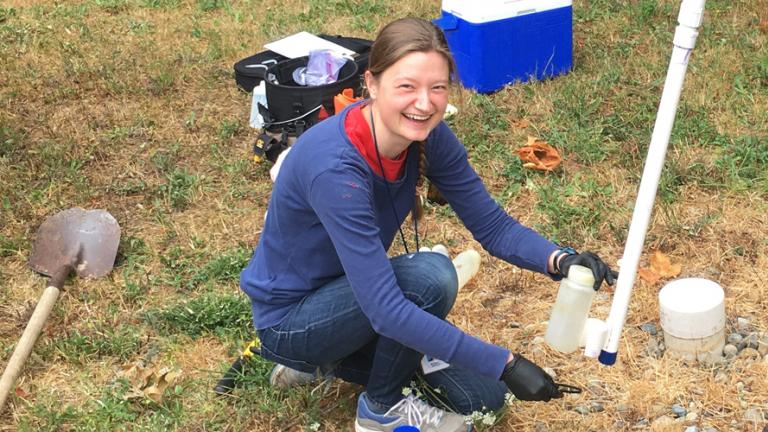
x: 326, y: 297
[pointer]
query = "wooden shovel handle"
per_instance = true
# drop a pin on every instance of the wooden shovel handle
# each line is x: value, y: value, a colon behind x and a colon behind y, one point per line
x: 27, y: 341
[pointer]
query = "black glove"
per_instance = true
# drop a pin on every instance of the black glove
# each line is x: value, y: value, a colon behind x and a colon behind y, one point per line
x: 600, y: 269
x: 529, y: 382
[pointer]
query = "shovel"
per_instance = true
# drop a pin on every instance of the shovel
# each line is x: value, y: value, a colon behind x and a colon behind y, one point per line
x: 84, y: 241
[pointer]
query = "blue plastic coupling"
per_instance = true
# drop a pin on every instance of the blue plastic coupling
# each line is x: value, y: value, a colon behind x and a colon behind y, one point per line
x: 406, y: 429
x: 607, y: 358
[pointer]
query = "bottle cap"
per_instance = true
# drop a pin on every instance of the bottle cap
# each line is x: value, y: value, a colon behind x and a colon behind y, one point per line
x: 581, y: 275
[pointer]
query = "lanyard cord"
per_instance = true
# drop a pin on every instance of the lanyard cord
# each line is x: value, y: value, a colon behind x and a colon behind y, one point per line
x: 389, y: 193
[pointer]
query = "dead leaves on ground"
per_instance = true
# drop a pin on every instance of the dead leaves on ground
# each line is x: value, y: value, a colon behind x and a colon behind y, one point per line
x: 661, y: 267
x: 148, y: 382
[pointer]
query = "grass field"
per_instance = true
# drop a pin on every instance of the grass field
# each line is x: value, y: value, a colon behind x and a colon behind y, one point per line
x: 131, y: 106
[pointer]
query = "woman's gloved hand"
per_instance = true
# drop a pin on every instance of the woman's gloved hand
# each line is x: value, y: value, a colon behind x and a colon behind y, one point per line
x: 599, y: 268
x: 529, y: 382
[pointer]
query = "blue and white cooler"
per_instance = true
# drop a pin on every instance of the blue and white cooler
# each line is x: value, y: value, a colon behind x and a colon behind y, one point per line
x: 498, y: 42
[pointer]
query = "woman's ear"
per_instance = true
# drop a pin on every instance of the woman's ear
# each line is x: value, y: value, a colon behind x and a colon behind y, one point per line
x: 370, y: 84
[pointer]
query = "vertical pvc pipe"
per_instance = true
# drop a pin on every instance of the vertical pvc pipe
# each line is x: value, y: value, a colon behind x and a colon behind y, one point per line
x: 691, y: 13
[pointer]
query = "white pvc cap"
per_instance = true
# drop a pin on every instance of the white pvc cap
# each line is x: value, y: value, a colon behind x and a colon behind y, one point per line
x: 692, y: 308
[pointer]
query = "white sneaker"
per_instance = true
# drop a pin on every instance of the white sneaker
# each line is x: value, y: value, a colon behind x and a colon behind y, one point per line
x: 283, y: 377
x: 410, y: 411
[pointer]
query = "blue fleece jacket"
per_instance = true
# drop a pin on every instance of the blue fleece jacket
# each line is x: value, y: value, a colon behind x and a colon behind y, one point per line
x: 330, y: 215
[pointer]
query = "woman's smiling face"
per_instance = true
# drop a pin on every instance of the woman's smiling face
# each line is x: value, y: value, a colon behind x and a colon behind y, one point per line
x: 409, y: 98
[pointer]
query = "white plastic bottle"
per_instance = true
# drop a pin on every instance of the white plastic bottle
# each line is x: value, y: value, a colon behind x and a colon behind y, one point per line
x: 566, y: 322
x: 467, y: 265
x: 259, y: 96
x: 441, y: 249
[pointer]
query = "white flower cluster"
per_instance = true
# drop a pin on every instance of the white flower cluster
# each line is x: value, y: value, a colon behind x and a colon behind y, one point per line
x: 412, y: 390
x: 479, y: 417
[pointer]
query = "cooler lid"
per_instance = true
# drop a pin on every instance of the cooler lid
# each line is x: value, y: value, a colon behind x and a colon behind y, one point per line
x: 483, y: 11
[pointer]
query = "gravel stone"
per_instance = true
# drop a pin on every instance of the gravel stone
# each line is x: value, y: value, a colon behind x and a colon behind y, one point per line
x: 743, y: 325
x: 514, y: 324
x: 581, y: 410
x: 596, y: 407
x: 709, y: 429
x: 730, y: 351
x: 540, y: 427
x: 649, y: 328
x: 538, y: 340
x: 679, y: 411
x: 691, y: 417
x: 551, y: 372
x: 691, y: 429
x: 622, y: 408
x: 735, y: 338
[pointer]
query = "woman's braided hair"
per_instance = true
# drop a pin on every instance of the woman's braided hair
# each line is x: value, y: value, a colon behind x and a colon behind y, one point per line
x: 396, y: 40
x: 418, y: 206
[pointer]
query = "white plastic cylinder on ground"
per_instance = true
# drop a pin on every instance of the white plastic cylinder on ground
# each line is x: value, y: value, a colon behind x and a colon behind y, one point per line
x: 593, y: 337
x: 467, y: 265
x: 441, y: 249
x: 693, y: 319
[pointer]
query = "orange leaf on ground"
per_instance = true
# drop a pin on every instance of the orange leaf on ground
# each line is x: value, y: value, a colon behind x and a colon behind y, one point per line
x: 660, y: 267
x: 663, y: 265
x: 648, y: 275
x: 537, y: 154
x: 22, y: 393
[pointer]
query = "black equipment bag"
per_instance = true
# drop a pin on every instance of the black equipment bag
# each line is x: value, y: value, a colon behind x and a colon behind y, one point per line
x: 293, y: 108
x: 290, y: 102
x: 250, y: 71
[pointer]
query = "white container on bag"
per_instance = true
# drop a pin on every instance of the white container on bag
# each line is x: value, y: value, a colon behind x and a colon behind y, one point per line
x: 259, y: 96
x: 569, y: 314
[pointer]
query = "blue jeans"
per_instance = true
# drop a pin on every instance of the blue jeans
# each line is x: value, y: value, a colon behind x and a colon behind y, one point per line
x: 327, y: 331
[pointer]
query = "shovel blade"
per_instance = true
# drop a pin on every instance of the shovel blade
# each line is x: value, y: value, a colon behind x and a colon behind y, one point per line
x: 86, y: 240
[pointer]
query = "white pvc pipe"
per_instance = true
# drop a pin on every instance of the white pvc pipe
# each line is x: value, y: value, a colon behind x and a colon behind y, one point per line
x: 691, y: 13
